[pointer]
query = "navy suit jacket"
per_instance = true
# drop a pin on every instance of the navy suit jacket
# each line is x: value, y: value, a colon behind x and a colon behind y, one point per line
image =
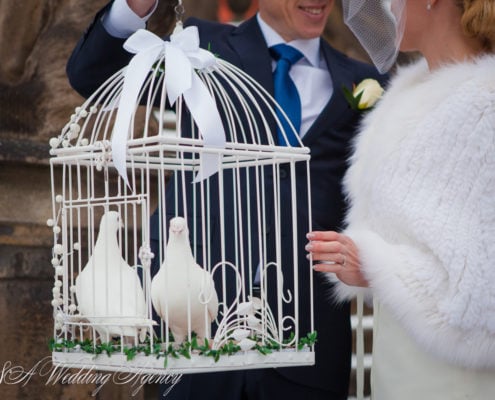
x: 98, y: 55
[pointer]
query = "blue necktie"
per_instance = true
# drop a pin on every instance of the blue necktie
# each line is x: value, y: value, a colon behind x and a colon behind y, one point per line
x: 286, y: 92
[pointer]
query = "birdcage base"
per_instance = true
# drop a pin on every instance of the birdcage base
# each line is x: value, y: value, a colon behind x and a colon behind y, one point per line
x: 142, y: 364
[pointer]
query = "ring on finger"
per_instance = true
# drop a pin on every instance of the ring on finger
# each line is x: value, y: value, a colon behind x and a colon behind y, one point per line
x: 344, y: 261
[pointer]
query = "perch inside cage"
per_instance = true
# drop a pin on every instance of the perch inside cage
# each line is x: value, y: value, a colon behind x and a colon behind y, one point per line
x: 180, y: 252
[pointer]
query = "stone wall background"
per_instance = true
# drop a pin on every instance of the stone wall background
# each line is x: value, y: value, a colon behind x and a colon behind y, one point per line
x: 36, y: 38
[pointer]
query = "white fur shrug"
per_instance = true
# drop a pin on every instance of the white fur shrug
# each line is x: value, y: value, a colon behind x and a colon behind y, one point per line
x: 422, y: 191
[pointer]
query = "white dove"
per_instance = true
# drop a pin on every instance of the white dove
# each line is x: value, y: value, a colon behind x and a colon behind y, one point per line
x: 108, y: 290
x: 182, y: 291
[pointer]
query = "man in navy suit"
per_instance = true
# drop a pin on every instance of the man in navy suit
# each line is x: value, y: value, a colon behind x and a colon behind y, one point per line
x: 327, y: 128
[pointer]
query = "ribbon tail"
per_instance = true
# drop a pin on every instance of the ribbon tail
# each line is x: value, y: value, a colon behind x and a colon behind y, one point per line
x: 209, y: 164
x: 179, y: 72
x: 135, y: 75
x: 205, y: 113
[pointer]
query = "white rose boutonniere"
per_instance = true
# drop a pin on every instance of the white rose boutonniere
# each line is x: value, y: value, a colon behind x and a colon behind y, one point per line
x: 365, y: 95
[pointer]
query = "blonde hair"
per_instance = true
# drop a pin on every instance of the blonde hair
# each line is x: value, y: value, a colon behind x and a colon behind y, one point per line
x: 478, y: 20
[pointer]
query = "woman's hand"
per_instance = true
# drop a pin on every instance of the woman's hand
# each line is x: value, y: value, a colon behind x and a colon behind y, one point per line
x: 336, y: 253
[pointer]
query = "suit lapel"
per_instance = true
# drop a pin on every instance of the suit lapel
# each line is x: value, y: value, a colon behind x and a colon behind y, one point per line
x: 254, y: 58
x: 249, y: 44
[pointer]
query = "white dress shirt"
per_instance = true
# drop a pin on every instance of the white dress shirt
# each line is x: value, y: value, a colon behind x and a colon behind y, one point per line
x: 122, y: 22
x: 310, y: 75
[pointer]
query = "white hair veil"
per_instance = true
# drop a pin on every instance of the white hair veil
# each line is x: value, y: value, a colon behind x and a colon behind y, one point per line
x: 379, y: 26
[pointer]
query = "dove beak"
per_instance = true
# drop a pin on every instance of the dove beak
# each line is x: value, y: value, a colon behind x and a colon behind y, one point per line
x: 176, y: 229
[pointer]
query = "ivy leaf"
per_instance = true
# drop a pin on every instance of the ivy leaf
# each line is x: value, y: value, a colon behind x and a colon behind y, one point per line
x: 107, y: 348
x: 172, y: 352
x: 185, y: 353
x: 87, y: 347
x: 130, y: 353
x: 184, y: 350
x: 204, y: 348
x: 147, y: 350
x: 194, y: 343
x: 157, y: 348
x: 54, y: 346
x: 262, y: 349
x: 274, y: 345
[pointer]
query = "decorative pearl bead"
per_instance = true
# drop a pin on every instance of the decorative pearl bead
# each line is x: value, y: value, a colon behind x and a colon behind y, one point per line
x: 75, y: 128
x: 54, y: 142
x: 58, y: 249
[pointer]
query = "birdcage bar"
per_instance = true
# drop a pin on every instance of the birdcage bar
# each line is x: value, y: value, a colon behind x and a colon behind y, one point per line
x: 104, y: 201
x: 278, y: 260
x: 172, y: 144
x: 69, y: 215
x: 189, y: 164
x: 295, y: 247
x: 196, y: 363
x: 205, y: 206
x: 250, y: 85
x: 107, y: 99
x: 239, y: 208
x: 234, y: 117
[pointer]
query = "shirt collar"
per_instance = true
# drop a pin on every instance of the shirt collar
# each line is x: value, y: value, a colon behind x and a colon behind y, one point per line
x: 309, y: 47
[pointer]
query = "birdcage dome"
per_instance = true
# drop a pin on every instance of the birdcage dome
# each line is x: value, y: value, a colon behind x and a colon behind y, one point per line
x: 171, y: 200
x: 230, y: 112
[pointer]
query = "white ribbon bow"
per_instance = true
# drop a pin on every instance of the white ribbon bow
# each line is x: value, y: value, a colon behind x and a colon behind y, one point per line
x: 182, y: 56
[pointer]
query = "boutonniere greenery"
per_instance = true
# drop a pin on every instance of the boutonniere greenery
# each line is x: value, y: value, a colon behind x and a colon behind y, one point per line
x: 363, y: 96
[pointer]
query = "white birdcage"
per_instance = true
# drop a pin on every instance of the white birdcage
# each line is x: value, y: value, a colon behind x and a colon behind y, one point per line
x: 221, y: 172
